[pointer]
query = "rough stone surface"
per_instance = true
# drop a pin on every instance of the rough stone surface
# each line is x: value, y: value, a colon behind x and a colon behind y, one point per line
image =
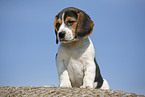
x: 59, y: 92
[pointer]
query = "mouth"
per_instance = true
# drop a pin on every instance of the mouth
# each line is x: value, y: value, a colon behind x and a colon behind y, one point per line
x: 64, y: 41
x: 67, y: 41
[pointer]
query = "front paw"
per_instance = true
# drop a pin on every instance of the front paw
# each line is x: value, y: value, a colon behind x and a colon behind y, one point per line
x: 65, y: 85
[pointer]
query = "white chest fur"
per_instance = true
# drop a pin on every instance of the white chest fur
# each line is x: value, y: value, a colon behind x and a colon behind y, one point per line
x: 75, y: 64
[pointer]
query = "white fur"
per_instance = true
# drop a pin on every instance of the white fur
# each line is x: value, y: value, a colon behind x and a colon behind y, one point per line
x: 105, y: 85
x: 75, y: 64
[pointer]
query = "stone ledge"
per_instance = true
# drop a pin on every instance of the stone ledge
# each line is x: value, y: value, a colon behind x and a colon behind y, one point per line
x: 57, y: 91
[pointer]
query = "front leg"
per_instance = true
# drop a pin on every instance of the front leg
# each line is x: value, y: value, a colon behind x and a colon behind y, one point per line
x: 89, y: 75
x: 63, y: 73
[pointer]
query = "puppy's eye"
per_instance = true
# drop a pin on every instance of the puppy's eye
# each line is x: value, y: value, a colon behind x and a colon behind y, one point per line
x: 69, y: 23
x: 57, y: 25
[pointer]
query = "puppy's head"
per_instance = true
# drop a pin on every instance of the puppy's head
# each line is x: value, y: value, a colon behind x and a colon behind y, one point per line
x: 72, y: 24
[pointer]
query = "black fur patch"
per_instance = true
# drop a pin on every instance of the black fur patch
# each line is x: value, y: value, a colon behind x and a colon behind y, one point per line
x: 98, y: 77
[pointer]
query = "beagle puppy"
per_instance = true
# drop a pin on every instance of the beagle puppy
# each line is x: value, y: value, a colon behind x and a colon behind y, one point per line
x: 75, y: 60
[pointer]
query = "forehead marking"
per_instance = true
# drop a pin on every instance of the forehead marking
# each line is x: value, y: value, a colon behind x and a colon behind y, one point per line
x: 62, y: 26
x: 62, y: 18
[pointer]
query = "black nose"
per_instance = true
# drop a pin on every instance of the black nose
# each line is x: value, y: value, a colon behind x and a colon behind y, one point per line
x: 61, y: 34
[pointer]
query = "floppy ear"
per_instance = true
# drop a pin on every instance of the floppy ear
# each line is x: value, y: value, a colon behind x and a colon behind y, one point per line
x: 84, y: 26
x: 55, y: 30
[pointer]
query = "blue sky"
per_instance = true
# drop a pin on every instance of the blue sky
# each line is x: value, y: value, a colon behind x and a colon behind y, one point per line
x: 27, y: 41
